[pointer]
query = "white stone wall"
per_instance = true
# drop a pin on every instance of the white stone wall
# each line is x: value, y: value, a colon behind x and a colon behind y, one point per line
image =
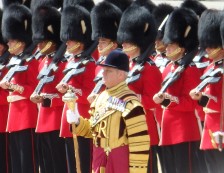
x: 217, y: 4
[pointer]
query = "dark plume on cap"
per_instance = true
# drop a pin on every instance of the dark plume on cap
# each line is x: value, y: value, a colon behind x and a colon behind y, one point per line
x: 16, y: 23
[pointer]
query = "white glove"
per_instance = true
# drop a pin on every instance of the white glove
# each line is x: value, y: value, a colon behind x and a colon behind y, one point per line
x: 216, y: 136
x: 72, y: 117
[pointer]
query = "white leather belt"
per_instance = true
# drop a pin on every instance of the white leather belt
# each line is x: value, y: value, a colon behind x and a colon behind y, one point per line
x: 15, y: 98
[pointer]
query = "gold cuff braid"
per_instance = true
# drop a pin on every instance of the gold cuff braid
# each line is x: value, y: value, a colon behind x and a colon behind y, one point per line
x: 16, y: 87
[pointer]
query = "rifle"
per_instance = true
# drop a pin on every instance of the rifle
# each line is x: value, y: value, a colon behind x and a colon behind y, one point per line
x: 99, y: 83
x: 43, y: 76
x: 211, y: 78
x: 42, y: 82
x: 135, y: 74
x: 198, y: 59
x: 75, y: 68
x: 46, y: 70
x: 185, y: 61
x: 15, y: 63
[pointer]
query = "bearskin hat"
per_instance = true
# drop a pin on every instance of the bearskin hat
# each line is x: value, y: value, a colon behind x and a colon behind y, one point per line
x: 222, y: 32
x: 137, y: 26
x: 209, y: 29
x: 1, y: 38
x: 194, y: 5
x: 46, y: 22
x: 16, y: 23
x: 181, y: 28
x: 148, y: 4
x: 6, y: 3
x: 105, y: 19
x: 52, y: 3
x: 160, y: 13
x: 122, y: 4
x: 88, y: 4
x: 76, y: 25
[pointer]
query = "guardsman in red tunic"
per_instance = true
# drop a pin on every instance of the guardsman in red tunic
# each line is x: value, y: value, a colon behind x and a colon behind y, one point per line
x: 22, y: 115
x: 137, y: 32
x: 4, y: 106
x: 161, y: 14
x: 210, y: 94
x: 76, y: 33
x: 201, y: 61
x: 46, y: 32
x: 105, y: 19
x: 180, y: 132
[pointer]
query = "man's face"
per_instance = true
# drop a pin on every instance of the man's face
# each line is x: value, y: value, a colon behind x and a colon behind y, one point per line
x: 131, y: 49
x: 14, y: 46
x: 73, y: 46
x: 213, y: 53
x: 105, y: 46
x: 174, y: 51
x: 111, y: 76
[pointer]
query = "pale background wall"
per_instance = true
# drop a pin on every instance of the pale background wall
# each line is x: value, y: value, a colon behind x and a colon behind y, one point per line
x: 218, y: 4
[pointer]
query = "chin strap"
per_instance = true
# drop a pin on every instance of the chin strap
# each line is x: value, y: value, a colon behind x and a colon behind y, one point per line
x: 174, y: 53
x: 70, y: 50
x: 109, y: 46
x: 47, y: 46
x: 16, y: 47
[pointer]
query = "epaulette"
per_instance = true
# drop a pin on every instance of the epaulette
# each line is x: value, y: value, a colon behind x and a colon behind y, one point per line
x: 131, y: 104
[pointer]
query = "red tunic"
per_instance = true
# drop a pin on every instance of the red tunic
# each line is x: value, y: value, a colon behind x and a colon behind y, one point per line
x: 4, y: 105
x: 23, y: 113
x: 212, y: 120
x: 49, y: 118
x: 147, y: 86
x: 95, y: 55
x: 83, y: 82
x: 179, y: 123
